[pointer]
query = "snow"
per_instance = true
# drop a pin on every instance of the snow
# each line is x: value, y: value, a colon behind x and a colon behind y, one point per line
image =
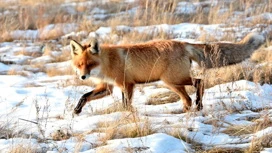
x: 158, y: 143
x: 41, y: 107
x: 186, y: 8
x: 266, y: 150
x: 4, y: 67
x: 53, y: 102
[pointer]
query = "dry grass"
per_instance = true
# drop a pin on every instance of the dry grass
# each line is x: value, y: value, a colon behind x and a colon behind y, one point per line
x: 28, y: 53
x: 259, y: 144
x: 129, y: 126
x: 7, y: 131
x: 17, y: 72
x: 23, y: 148
x: 224, y: 75
x: 258, y: 124
x: 221, y: 150
x: 126, y: 36
x: 176, y: 132
x: 56, y: 72
x: 262, y: 55
x: 163, y: 98
x: 115, y: 107
x: 31, y: 15
x: 61, y: 134
x: 252, y: 72
x: 156, y: 12
x: 35, y: 2
x: 240, y: 130
x: 104, y: 150
x: 256, y: 145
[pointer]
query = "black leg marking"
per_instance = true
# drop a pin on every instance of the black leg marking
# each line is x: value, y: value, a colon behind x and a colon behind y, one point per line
x: 82, y: 102
x: 199, y: 84
x: 124, y: 100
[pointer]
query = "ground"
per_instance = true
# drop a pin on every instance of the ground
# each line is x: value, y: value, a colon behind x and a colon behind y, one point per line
x: 39, y: 89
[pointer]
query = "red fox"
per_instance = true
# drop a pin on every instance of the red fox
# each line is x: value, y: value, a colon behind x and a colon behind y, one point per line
x: 166, y: 60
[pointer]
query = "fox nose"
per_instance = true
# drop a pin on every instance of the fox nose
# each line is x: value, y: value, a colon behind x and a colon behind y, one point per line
x: 83, y: 77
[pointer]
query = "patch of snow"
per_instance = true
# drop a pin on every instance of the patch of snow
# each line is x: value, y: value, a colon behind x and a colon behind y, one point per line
x: 4, y: 67
x: 159, y: 143
x: 25, y: 34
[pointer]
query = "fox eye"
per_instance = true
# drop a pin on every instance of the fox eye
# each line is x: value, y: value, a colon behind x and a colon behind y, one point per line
x: 90, y: 65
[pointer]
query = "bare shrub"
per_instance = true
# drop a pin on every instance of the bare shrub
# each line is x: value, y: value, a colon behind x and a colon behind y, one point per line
x: 9, y: 131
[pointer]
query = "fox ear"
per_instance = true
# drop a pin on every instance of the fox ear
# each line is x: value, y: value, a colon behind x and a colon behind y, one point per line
x: 76, y: 48
x: 94, y: 46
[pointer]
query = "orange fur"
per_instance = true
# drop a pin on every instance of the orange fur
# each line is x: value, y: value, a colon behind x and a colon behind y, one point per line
x: 127, y: 65
x: 166, y: 60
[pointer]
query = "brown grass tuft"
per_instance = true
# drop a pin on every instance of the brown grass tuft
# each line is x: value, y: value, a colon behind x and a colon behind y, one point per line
x: 258, y: 124
x: 23, y: 148
x: 251, y: 72
x: 16, y: 72
x: 259, y: 144
x: 56, y: 71
x: 221, y: 150
x: 61, y: 134
x: 262, y: 55
x: 28, y: 53
x: 163, y: 98
x: 115, y: 107
x: 130, y: 126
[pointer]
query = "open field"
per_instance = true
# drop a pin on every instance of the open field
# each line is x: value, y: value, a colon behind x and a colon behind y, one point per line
x: 39, y: 88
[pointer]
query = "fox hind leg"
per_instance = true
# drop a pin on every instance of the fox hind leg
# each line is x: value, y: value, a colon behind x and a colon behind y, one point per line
x: 127, y: 96
x: 199, y: 85
x: 180, y: 90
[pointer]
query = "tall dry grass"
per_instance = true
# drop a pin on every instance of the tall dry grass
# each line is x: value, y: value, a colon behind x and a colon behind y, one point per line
x: 31, y: 14
x: 35, y: 15
x: 128, y: 126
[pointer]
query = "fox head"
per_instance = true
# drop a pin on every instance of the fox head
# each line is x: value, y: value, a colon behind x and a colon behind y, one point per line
x: 84, y: 57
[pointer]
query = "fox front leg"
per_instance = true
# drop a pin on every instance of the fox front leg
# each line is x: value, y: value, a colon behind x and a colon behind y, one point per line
x: 100, y: 91
x: 81, y: 103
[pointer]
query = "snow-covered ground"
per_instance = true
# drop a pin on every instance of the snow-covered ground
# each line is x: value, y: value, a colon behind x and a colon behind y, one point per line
x: 36, y: 109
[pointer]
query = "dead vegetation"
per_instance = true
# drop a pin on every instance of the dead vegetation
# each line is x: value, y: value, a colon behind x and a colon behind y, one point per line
x: 257, y: 125
x: 7, y: 131
x: 20, y: 148
x: 115, y: 107
x: 258, y: 69
x: 39, y: 14
x: 36, y: 15
x: 129, y: 126
x: 163, y: 98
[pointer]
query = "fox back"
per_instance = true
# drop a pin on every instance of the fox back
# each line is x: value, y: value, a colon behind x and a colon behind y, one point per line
x: 139, y: 63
